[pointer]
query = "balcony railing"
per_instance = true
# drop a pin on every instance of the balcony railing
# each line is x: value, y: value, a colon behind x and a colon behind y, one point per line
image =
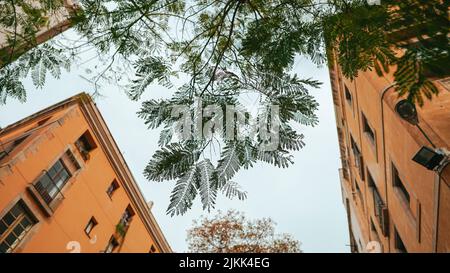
x: 48, y: 189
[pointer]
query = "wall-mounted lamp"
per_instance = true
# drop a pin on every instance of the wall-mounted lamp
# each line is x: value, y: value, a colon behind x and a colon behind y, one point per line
x: 429, y: 158
x: 407, y: 111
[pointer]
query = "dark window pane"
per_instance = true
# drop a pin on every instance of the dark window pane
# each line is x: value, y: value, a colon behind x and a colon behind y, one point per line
x: 114, y: 186
x: 348, y: 95
x: 25, y: 223
x: 61, y: 178
x: 11, y: 239
x: 2, y: 227
x: 52, y: 170
x: 61, y: 175
x: 3, y: 248
x: 18, y: 230
x: 57, y: 165
x: 45, y: 182
x: 3, y: 154
x: 17, y: 210
x: 398, y: 183
x: 8, y: 218
x: 399, y: 243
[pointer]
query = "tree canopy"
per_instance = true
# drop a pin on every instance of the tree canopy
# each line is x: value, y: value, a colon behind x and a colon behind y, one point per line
x: 227, y: 48
x: 233, y: 232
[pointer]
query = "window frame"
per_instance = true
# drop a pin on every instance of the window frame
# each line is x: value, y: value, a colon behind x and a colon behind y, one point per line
x: 359, y: 192
x: 374, y: 230
x: 3, y: 154
x: 10, y: 229
x: 127, y: 216
x: 398, y: 242
x: 113, y: 243
x: 152, y: 249
x: 85, y: 144
x: 348, y: 96
x: 398, y: 184
x: 114, y: 186
x: 368, y: 130
x: 94, y: 224
x: 358, y: 158
x: 44, y: 192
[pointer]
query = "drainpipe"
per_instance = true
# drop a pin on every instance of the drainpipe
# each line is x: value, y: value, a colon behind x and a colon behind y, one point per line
x: 383, y: 93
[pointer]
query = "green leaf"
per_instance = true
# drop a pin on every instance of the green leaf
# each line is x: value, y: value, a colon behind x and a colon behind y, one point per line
x: 184, y: 192
x: 207, y: 185
x: 155, y: 112
x: 232, y: 189
x: 307, y: 120
x: 229, y: 163
x: 170, y: 162
x: 147, y: 71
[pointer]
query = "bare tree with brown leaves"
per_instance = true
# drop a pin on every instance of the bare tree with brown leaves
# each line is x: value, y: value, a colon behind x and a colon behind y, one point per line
x: 232, y: 232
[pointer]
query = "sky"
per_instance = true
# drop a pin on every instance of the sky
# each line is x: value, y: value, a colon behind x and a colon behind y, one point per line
x: 304, y: 200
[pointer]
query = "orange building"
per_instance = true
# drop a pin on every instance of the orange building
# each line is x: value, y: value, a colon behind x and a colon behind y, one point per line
x: 65, y: 186
x: 389, y: 197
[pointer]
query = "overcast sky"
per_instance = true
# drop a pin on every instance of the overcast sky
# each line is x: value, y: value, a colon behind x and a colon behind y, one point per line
x: 305, y: 199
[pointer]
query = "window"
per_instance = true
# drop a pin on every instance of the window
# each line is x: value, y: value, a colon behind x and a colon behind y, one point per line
x: 348, y: 95
x: 71, y: 161
x: 367, y: 129
x: 398, y: 183
x: 374, y: 230
x: 20, y: 140
x: 127, y: 216
x: 399, y: 245
x: 10, y: 145
x: 43, y: 121
x: 378, y: 203
x: 112, y: 245
x: 359, y: 162
x: 152, y: 249
x: 112, y: 188
x: 358, y: 191
x: 52, y: 181
x: 124, y: 222
x: 90, y: 226
x: 14, y: 226
x: 3, y: 154
x: 85, y: 144
x: 370, y: 181
x: 380, y: 209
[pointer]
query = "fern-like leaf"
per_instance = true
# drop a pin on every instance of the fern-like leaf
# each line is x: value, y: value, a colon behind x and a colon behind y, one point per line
x: 207, y: 186
x: 229, y: 163
x: 170, y: 162
x: 232, y: 189
x: 307, y: 120
x: 184, y: 192
x: 147, y: 71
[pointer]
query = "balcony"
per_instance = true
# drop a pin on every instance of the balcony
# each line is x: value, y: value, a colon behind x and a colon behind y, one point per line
x: 47, y: 188
x: 124, y: 222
